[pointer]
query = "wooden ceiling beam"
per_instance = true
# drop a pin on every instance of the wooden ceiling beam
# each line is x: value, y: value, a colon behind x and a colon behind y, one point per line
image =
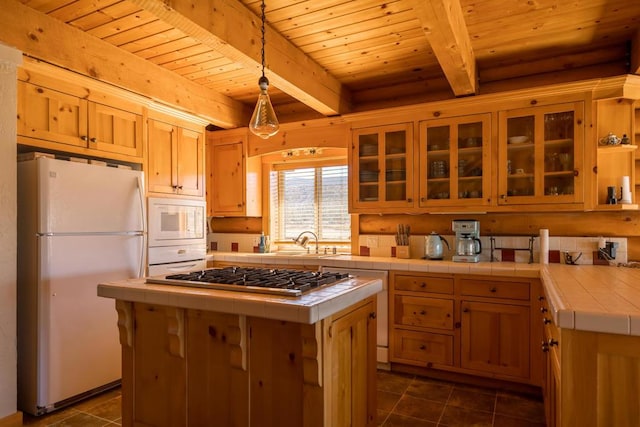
x: 635, y: 53
x: 49, y: 39
x: 443, y: 24
x: 230, y: 28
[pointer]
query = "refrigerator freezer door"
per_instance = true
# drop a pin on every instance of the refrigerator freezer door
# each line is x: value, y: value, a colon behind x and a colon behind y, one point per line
x: 78, y: 343
x: 83, y: 198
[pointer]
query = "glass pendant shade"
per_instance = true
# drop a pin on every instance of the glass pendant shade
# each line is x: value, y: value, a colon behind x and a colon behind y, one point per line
x: 263, y: 121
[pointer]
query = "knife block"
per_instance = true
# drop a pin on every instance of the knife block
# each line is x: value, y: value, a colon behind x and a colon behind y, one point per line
x: 403, y: 252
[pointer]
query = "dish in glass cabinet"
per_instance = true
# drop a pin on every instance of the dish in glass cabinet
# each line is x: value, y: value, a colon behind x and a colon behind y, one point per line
x: 521, y: 139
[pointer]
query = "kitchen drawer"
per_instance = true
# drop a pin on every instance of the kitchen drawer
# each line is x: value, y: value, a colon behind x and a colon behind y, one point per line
x: 495, y: 289
x: 438, y: 285
x: 423, y: 312
x: 422, y: 348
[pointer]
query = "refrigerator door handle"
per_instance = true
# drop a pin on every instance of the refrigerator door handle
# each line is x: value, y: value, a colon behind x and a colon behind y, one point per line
x: 143, y: 258
x: 143, y: 214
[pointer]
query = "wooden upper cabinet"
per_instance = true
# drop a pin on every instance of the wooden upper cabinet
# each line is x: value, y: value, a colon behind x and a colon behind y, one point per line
x: 455, y: 161
x: 234, y: 179
x: 381, y: 160
x: 540, y: 157
x: 70, y: 122
x: 115, y: 130
x: 176, y: 159
x: 50, y: 115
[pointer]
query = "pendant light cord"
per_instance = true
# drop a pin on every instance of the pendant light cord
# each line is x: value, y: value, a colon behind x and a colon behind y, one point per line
x: 263, y: 39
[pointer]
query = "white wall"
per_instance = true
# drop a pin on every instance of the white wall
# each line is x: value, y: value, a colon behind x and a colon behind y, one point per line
x: 9, y: 60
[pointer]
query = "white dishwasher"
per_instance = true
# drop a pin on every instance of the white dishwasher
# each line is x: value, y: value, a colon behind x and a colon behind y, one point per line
x: 382, y: 333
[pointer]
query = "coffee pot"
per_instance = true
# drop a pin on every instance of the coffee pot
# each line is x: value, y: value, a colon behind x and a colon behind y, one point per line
x: 433, y: 248
x: 468, y: 245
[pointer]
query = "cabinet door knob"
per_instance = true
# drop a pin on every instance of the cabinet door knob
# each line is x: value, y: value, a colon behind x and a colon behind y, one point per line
x: 84, y: 137
x: 544, y: 346
x: 465, y: 310
x: 493, y: 290
x: 552, y: 342
x: 94, y: 139
x: 576, y: 172
x: 541, y: 298
x: 409, y: 200
x: 372, y: 315
x: 423, y: 285
x: 423, y: 347
x: 546, y: 320
x: 543, y: 310
x: 423, y: 312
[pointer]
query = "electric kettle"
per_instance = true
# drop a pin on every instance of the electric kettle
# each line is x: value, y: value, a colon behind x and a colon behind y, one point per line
x: 433, y: 248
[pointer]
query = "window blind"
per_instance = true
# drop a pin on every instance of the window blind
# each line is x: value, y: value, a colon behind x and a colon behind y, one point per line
x: 310, y: 199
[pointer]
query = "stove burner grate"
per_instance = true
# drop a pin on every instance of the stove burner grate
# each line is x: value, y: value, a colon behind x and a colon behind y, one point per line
x: 250, y: 279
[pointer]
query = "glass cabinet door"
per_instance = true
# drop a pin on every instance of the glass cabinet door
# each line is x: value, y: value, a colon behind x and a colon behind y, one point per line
x: 540, y: 150
x: 381, y: 166
x: 454, y: 161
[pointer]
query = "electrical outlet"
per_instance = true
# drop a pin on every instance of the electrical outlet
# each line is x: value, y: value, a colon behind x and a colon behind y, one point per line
x: 372, y: 241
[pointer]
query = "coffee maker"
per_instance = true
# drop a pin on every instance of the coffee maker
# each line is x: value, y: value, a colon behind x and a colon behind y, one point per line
x: 467, y: 245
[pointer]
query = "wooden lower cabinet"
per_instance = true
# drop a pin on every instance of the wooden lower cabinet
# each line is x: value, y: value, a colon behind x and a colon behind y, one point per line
x: 477, y: 325
x: 422, y: 347
x: 495, y: 338
x: 184, y: 367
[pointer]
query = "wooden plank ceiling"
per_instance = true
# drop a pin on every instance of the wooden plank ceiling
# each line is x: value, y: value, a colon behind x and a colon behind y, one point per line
x: 330, y: 57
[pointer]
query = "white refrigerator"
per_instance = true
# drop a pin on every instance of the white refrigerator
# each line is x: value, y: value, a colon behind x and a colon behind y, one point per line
x: 78, y: 225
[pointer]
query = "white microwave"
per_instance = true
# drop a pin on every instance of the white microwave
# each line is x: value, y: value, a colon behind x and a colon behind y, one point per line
x: 176, y: 222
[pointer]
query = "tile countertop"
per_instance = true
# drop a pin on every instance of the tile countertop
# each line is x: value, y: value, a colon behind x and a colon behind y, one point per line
x: 309, y: 308
x: 584, y: 297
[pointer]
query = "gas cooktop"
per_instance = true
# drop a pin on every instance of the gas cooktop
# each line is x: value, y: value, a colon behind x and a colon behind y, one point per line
x: 249, y: 279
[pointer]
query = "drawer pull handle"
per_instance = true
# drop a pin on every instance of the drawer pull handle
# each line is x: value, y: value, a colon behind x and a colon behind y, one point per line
x: 423, y: 347
x: 423, y: 285
x: 546, y: 320
x: 493, y: 290
x: 423, y: 312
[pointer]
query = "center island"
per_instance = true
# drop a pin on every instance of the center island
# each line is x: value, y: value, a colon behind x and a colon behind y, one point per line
x: 204, y: 357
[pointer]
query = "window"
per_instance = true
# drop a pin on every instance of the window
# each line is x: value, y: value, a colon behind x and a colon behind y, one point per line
x: 310, y: 199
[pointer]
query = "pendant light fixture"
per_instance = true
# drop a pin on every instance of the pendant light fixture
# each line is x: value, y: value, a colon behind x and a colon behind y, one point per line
x: 263, y: 121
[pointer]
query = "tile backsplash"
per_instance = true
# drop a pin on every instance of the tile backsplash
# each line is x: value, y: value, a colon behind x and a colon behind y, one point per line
x: 384, y: 246
x: 515, y: 247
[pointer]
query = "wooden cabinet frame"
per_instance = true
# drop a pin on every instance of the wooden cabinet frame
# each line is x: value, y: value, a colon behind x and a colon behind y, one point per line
x: 482, y: 325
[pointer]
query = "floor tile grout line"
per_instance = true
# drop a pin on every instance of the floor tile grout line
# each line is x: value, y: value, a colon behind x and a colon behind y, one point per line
x: 445, y: 405
x: 495, y: 406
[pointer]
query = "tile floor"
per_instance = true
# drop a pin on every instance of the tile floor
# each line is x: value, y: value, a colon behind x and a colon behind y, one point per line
x: 99, y: 411
x: 410, y: 401
x: 403, y: 401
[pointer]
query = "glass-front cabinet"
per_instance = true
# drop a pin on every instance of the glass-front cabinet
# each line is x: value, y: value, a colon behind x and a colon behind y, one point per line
x: 454, y: 161
x: 382, y: 167
x: 540, y: 155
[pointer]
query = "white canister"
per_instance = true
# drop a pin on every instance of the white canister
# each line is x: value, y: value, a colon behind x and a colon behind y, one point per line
x: 625, y: 183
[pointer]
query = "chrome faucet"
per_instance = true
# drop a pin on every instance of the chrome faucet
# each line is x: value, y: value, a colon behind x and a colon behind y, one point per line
x: 302, y: 241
